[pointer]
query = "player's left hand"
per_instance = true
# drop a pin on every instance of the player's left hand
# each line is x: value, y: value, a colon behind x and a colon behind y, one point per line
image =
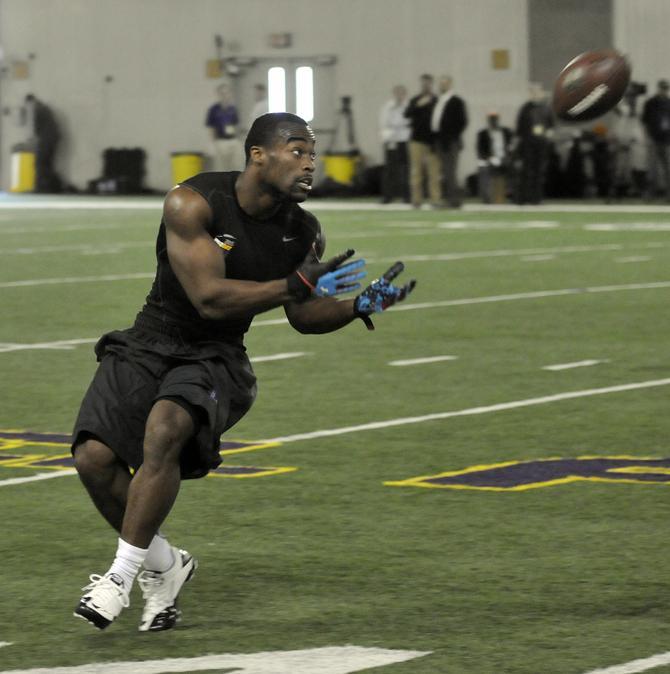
x: 382, y: 294
x: 342, y: 280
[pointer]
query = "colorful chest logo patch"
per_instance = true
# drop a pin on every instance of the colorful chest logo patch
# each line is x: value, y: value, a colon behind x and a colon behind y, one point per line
x: 226, y: 242
x: 523, y: 475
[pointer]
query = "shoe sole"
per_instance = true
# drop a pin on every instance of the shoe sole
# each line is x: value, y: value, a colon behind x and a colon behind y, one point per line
x: 170, y: 624
x: 92, y: 617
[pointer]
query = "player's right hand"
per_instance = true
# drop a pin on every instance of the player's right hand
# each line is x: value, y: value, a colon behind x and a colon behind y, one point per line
x: 325, y: 279
x: 382, y: 294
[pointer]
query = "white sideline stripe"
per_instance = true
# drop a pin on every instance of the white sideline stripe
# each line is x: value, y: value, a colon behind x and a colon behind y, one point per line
x: 148, y: 203
x: 531, y: 295
x: 635, y: 666
x: 511, y: 252
x: 421, y: 361
x: 278, y: 356
x: 63, y: 345
x: 5, y: 643
x: 38, y: 477
x: 327, y: 660
x: 538, y: 258
x: 569, y: 366
x: 76, y: 279
x: 500, y: 407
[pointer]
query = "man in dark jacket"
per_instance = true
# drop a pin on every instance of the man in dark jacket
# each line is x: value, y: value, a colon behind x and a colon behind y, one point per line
x: 534, y: 128
x: 493, y: 148
x: 421, y: 151
x: 656, y: 121
x: 46, y: 136
x: 448, y: 122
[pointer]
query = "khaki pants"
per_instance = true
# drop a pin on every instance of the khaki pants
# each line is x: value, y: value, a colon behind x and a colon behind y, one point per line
x: 228, y: 155
x: 423, y: 155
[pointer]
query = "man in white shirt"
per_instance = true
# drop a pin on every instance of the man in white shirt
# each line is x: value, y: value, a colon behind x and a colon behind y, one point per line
x: 260, y: 102
x: 395, y: 132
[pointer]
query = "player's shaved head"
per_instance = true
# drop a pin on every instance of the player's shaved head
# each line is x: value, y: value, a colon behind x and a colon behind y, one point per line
x: 268, y: 128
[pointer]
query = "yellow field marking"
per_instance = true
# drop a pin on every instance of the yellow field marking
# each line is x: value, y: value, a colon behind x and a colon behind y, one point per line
x: 422, y: 481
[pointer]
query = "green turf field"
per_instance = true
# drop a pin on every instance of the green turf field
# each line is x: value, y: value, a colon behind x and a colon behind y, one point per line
x: 530, y: 572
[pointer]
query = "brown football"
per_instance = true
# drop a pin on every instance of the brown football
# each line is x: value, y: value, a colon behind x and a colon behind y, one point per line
x: 590, y: 85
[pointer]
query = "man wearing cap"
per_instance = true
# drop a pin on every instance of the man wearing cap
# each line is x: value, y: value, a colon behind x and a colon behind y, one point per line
x: 656, y: 121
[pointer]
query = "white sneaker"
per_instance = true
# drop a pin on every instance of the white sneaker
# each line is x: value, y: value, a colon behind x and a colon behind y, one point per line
x: 105, y: 598
x: 160, y: 592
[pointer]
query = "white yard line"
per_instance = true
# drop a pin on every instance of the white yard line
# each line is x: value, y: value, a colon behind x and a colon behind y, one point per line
x: 628, y: 227
x: 325, y: 660
x: 38, y: 477
x: 10, y: 346
x: 5, y: 643
x: 568, y: 366
x: 403, y: 421
x: 278, y: 356
x: 633, y: 258
x: 74, y: 248
x: 494, y: 224
x: 635, y: 666
x: 500, y: 407
x: 421, y: 361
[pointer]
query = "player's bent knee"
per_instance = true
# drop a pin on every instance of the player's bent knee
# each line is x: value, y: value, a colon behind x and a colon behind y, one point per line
x: 92, y: 457
x: 163, y: 442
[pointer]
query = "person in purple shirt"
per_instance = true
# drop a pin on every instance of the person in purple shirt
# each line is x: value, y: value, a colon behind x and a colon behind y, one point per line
x: 222, y: 120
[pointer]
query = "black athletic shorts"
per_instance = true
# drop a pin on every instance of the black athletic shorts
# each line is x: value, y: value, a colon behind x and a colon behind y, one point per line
x: 213, y: 381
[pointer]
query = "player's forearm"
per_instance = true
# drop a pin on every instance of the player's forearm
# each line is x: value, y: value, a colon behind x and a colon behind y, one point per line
x: 234, y: 299
x: 320, y: 315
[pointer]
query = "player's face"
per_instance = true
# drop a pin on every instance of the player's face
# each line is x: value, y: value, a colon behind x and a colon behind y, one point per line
x: 290, y: 166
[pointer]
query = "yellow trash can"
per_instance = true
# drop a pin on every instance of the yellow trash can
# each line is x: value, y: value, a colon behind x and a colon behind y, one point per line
x: 23, y: 172
x: 185, y: 165
x: 340, y: 167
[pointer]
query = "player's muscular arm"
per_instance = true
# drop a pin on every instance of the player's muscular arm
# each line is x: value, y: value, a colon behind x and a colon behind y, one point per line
x: 200, y: 267
x: 320, y: 314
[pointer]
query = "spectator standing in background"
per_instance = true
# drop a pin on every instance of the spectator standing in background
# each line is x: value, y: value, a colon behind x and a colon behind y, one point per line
x: 448, y: 122
x: 395, y: 131
x: 656, y: 121
x: 631, y: 152
x: 222, y: 120
x: 493, y: 148
x: 422, y: 154
x: 45, y: 139
x: 534, y: 128
x: 260, y: 102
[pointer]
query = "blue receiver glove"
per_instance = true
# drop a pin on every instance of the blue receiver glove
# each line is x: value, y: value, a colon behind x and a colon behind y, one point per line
x: 325, y: 279
x: 381, y: 294
x: 342, y: 280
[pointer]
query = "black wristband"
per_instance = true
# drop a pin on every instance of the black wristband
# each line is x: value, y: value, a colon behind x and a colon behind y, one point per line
x: 298, y: 286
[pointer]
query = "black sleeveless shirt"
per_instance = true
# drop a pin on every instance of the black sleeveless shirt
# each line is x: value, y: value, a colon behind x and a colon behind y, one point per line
x: 254, y: 250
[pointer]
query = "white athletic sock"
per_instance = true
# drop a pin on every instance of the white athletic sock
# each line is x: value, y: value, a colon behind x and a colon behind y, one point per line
x: 159, y: 556
x: 127, y: 563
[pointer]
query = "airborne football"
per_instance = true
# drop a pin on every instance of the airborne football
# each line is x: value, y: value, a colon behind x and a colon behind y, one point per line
x: 591, y: 85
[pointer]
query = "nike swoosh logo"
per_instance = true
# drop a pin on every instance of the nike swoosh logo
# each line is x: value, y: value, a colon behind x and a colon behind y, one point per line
x: 286, y: 239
